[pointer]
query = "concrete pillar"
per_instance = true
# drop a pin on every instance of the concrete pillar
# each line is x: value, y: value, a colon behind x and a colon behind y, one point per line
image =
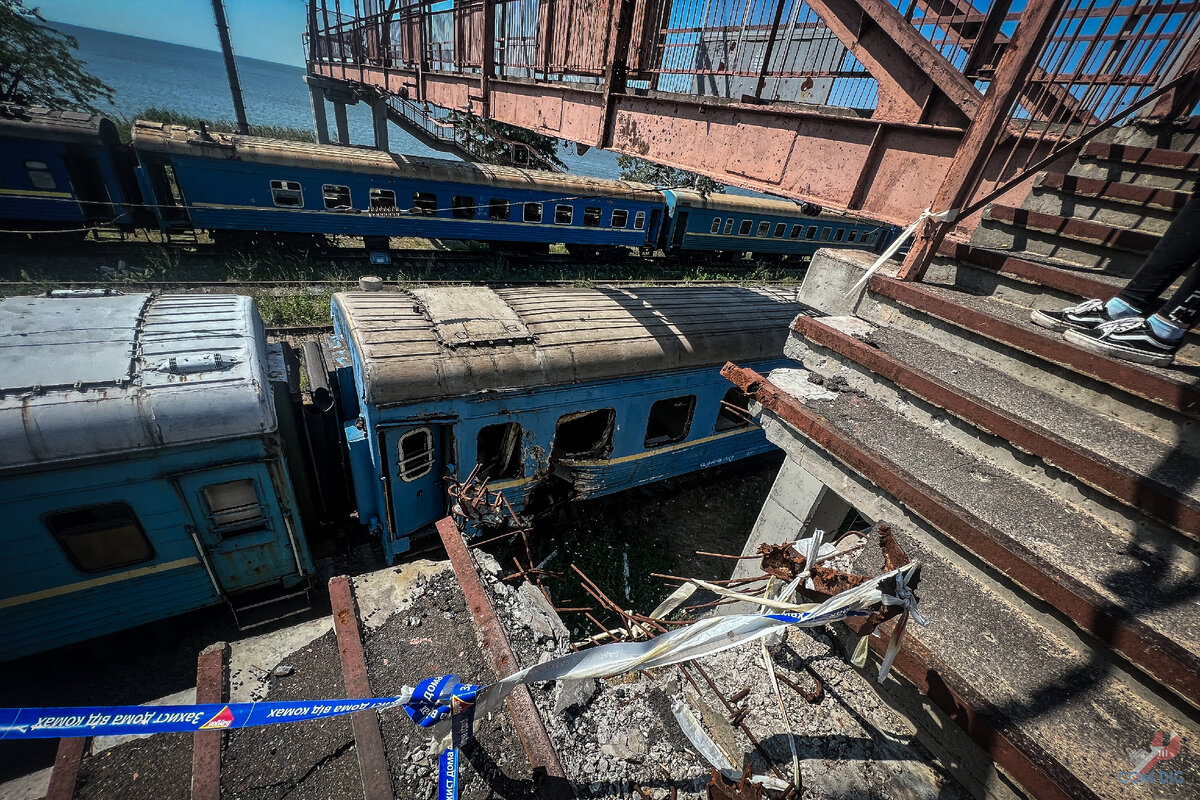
x: 320, y: 121
x: 379, y: 122
x: 797, y: 505
x: 343, y: 127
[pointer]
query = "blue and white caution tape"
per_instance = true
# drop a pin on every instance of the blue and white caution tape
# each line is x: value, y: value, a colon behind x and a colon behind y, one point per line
x: 54, y: 723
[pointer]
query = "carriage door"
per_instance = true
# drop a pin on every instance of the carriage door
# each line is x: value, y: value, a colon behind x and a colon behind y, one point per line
x: 415, y: 474
x: 680, y: 230
x: 240, y: 525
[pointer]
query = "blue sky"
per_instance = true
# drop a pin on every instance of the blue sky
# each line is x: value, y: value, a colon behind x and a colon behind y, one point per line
x: 266, y: 29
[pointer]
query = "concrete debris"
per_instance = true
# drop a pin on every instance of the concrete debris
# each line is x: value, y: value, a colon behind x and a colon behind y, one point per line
x: 573, y: 696
x: 535, y: 611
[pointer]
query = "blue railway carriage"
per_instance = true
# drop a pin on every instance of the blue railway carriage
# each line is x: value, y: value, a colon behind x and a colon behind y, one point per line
x: 225, y: 182
x: 62, y: 171
x: 142, y: 468
x: 726, y: 223
x: 554, y: 393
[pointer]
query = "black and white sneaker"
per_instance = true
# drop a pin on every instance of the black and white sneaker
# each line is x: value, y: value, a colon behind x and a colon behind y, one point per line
x: 1083, y: 317
x: 1131, y: 339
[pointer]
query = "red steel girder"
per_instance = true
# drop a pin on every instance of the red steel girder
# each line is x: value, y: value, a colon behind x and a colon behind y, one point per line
x: 212, y: 686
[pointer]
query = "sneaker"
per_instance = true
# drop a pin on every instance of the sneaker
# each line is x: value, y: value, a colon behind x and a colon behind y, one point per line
x: 1131, y: 339
x: 1083, y: 317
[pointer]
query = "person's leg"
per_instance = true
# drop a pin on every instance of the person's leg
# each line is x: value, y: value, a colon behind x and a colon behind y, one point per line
x: 1178, y: 249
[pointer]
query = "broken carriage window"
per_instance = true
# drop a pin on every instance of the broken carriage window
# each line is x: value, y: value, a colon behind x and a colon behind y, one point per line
x: 425, y: 203
x: 414, y: 454
x: 463, y: 207
x: 780, y: 227
x: 763, y: 228
x: 234, y: 507
x: 716, y: 225
x: 839, y: 234
x: 639, y: 220
x: 498, y: 208
x: 811, y: 233
x: 563, y: 215
x: 100, y: 537
x: 744, y: 228
x: 670, y: 420
x: 728, y: 417
x: 382, y: 198
x: 592, y: 216
x: 620, y: 218
x: 336, y: 197
x: 584, y: 434
x: 796, y: 231
x: 532, y: 212
x: 728, y: 229
x: 498, y: 451
x: 853, y: 237
x: 287, y: 193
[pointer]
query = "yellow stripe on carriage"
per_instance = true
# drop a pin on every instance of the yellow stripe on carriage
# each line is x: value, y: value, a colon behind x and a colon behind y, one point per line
x: 33, y: 193
x: 71, y: 588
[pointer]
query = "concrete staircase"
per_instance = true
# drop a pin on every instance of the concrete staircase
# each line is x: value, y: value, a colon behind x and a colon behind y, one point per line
x: 1053, y: 495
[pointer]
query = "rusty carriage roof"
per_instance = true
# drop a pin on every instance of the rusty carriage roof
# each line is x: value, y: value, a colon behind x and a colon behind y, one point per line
x: 178, y: 140
x: 458, y: 341
x: 89, y: 376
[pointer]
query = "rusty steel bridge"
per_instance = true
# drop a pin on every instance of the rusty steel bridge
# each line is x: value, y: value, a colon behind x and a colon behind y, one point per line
x: 879, y: 107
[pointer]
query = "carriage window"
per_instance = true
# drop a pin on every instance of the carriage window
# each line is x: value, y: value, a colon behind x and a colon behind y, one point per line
x: 795, y: 234
x: 620, y: 218
x: 425, y: 203
x: 414, y: 454
x: 591, y: 216
x: 563, y: 215
x: 716, y: 226
x: 779, y: 229
x: 532, y: 212
x: 669, y: 420
x: 584, y: 434
x: 234, y: 507
x: 498, y: 451
x: 735, y: 411
x: 874, y: 237
x: 336, y: 196
x: 824, y: 234
x: 839, y: 234
x: 639, y: 220
x: 40, y: 175
x: 853, y: 237
x: 382, y: 198
x: 811, y: 233
x: 463, y: 207
x: 744, y: 228
x: 100, y: 537
x: 728, y: 227
x: 763, y: 228
x: 287, y: 193
x: 498, y: 208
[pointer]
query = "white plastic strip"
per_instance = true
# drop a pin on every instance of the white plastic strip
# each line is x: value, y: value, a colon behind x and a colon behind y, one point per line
x: 942, y: 216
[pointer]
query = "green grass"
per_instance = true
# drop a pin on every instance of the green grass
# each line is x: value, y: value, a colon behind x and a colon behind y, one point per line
x: 293, y: 309
x: 172, y: 117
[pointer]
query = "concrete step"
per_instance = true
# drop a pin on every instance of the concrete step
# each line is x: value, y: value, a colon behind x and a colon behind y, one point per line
x: 1121, y: 205
x: 1145, y: 166
x: 1029, y: 284
x: 1171, y: 395
x: 1081, y: 450
x: 1171, y: 135
x: 1034, y: 675
x: 1071, y: 242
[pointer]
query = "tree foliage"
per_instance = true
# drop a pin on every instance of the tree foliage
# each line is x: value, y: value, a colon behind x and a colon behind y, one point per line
x: 37, y: 66
x: 499, y: 143
x: 638, y: 169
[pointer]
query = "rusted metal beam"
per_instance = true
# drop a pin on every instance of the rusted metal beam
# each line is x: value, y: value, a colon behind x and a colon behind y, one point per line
x: 1182, y: 99
x: 212, y: 686
x: 617, y: 72
x: 548, y: 773
x: 1116, y: 480
x: 487, y: 54
x: 1162, y: 658
x: 1030, y: 271
x: 906, y: 66
x: 65, y: 772
x: 1037, y: 21
x: 368, y: 741
x: 1153, y: 386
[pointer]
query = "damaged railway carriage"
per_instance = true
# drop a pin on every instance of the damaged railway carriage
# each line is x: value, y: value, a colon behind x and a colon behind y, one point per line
x: 555, y: 393
x: 143, y: 468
